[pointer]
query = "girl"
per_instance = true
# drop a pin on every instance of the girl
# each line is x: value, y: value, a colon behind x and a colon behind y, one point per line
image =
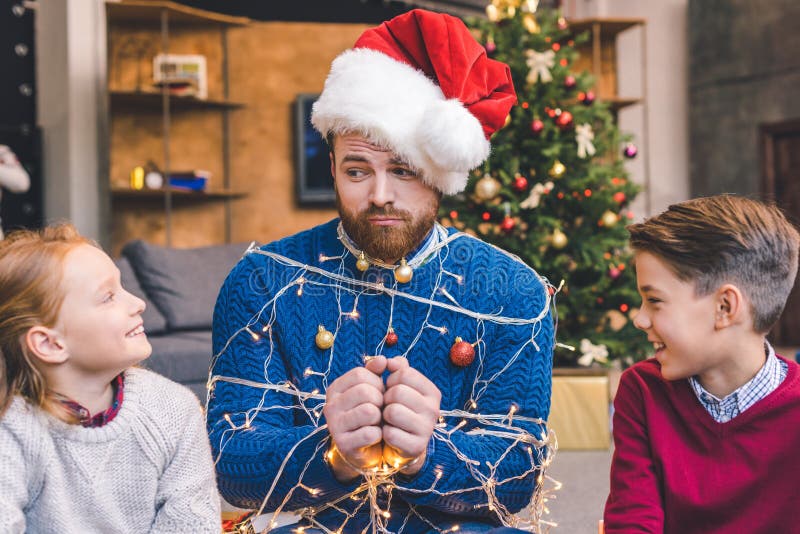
x: 89, y: 443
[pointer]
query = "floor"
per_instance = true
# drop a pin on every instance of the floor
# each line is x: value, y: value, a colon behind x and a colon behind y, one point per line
x: 578, y: 505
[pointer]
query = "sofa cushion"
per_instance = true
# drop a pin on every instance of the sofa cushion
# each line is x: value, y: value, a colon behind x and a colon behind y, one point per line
x: 154, y: 320
x: 181, y: 356
x: 183, y: 283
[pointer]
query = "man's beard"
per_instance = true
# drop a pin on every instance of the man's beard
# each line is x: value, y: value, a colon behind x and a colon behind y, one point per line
x: 387, y: 243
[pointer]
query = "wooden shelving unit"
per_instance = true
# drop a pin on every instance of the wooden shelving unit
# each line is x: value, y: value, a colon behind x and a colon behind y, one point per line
x: 208, y: 194
x: 148, y: 124
x: 599, y: 56
x: 139, y: 100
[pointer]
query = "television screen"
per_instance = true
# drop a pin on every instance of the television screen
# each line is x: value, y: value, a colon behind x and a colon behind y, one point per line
x: 313, y: 167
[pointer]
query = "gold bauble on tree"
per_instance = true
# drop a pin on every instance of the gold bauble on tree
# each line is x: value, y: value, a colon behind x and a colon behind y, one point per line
x: 492, y: 13
x: 558, y: 239
x: 530, y: 23
x: 557, y: 170
x: 609, y: 218
x: 323, y: 339
x: 487, y: 187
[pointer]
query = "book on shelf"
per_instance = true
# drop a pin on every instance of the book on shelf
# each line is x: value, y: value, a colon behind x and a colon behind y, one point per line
x: 194, y: 180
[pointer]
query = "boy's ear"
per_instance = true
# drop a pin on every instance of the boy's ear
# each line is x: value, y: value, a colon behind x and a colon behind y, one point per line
x: 730, y: 307
x: 46, y: 345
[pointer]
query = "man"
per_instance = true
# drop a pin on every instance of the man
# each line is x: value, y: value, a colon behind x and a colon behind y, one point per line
x: 380, y: 371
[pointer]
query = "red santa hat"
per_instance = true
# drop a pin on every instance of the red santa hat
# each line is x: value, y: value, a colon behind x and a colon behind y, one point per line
x: 421, y: 86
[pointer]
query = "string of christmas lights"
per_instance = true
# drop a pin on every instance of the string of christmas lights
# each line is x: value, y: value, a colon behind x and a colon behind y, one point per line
x: 304, y: 281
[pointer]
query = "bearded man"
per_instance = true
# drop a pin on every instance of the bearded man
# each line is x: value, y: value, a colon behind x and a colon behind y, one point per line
x: 381, y: 372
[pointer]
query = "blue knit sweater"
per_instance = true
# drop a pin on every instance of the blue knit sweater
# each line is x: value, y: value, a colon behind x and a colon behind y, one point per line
x: 270, y: 444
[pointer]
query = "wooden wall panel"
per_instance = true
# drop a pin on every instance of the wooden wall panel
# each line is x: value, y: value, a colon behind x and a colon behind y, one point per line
x: 270, y: 63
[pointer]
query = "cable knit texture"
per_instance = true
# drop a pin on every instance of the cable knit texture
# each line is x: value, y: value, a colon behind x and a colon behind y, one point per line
x: 148, y: 470
x: 250, y: 462
x: 678, y: 471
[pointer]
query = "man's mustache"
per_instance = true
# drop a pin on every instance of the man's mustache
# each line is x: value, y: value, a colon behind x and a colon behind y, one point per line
x: 385, y: 211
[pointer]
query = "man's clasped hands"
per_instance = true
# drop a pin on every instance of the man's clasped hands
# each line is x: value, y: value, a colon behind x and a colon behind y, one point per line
x: 372, y: 423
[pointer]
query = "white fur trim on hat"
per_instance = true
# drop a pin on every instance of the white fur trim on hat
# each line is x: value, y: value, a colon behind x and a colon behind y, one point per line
x: 396, y: 106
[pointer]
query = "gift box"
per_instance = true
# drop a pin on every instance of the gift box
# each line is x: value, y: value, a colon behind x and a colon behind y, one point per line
x: 580, y: 409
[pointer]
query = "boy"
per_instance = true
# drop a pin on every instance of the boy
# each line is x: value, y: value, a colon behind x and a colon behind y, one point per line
x: 707, y: 433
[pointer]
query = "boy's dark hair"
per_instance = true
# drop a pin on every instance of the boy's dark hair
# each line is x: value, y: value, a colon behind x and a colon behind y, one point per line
x: 727, y: 239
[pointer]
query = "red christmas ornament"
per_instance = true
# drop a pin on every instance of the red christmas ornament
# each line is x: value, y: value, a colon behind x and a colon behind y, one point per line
x: 586, y: 98
x: 569, y: 82
x: 537, y: 126
x: 520, y: 183
x: 619, y: 196
x: 564, y: 121
x: 490, y: 47
x: 630, y: 151
x: 454, y: 214
x: 391, y: 338
x: 486, y: 216
x: 462, y: 353
x: 508, y: 224
x: 550, y: 112
x: 614, y: 273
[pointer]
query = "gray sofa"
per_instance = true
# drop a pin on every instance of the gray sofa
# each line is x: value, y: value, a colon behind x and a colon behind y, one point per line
x: 180, y: 288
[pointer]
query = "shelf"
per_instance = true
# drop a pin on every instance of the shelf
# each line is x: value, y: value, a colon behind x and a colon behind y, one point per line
x: 136, y: 100
x: 210, y: 194
x: 149, y: 12
x: 616, y: 103
x: 609, y: 27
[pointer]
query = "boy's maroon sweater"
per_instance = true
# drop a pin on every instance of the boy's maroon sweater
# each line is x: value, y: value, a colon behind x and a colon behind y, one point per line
x: 676, y: 470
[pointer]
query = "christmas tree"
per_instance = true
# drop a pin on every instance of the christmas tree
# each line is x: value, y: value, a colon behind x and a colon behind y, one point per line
x: 555, y: 191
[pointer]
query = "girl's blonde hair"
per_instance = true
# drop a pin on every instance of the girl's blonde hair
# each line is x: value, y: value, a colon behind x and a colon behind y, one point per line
x: 31, y: 294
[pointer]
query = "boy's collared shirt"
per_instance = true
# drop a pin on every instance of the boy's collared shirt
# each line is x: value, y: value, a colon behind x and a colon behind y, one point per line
x: 101, y: 418
x: 767, y: 380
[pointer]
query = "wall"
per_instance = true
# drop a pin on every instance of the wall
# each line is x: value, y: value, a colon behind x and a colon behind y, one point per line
x: 270, y: 63
x: 660, y: 127
x: 70, y: 69
x: 744, y: 71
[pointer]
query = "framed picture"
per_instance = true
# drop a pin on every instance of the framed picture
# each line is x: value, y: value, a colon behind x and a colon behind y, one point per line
x: 312, y: 167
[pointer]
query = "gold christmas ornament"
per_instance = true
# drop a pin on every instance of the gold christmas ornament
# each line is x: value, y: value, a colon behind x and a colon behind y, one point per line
x: 557, y: 170
x: 403, y: 273
x: 323, y: 339
x: 530, y: 6
x: 507, y: 121
x: 362, y: 264
x: 487, y: 187
x: 558, y: 239
x: 609, y: 218
x: 530, y: 23
x: 492, y: 13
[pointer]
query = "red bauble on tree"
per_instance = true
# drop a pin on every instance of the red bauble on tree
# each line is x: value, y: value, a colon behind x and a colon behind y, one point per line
x: 462, y: 353
x: 569, y: 82
x: 586, y: 98
x: 564, y: 120
x: 520, y: 183
x: 619, y: 197
x: 537, y: 126
x: 630, y: 151
x: 508, y: 224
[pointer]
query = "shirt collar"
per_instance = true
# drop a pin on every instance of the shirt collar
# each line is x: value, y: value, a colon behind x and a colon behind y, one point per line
x: 102, y: 418
x: 766, y: 380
